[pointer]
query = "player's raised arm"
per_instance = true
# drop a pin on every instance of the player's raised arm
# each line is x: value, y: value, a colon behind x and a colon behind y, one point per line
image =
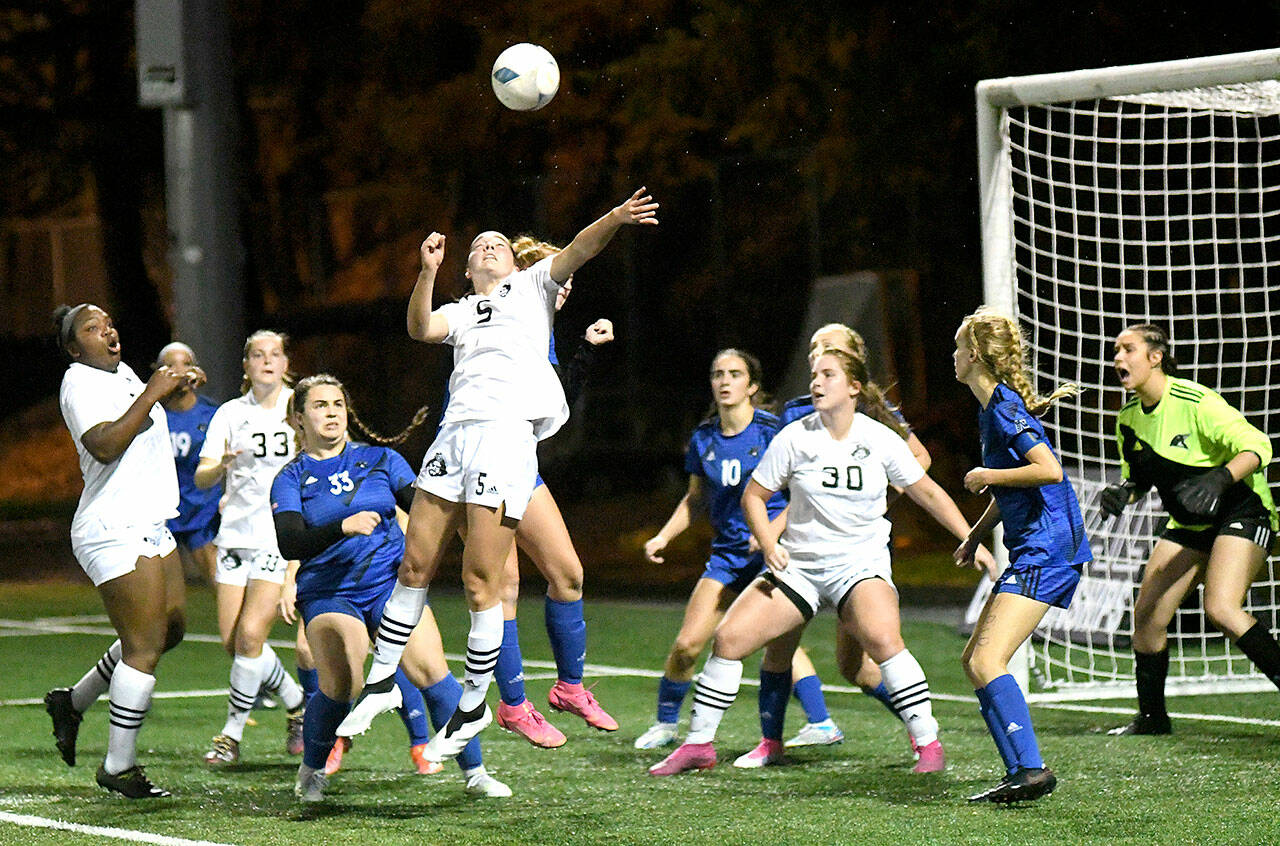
x: 638, y: 209
x: 423, y: 323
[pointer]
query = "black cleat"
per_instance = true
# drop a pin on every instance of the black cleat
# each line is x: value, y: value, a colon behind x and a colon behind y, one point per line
x: 1145, y: 724
x: 66, y: 722
x: 132, y: 783
x: 1025, y: 785
x: 985, y: 796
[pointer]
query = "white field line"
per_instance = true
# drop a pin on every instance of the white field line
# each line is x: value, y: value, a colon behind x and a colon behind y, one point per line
x: 102, y: 831
x: 59, y: 625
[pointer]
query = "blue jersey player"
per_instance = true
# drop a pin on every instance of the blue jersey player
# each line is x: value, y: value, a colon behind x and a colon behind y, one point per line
x: 189, y: 414
x: 721, y: 455
x: 1043, y: 533
x: 335, y: 511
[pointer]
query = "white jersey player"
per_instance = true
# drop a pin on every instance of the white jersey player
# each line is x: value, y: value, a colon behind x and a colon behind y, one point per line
x: 482, y: 467
x: 248, y: 441
x: 119, y: 534
x: 838, y: 464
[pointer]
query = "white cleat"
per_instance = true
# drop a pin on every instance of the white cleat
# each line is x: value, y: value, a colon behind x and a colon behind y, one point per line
x: 657, y: 736
x: 311, y: 784
x: 375, y: 699
x: 454, y: 737
x: 824, y: 733
x: 480, y: 783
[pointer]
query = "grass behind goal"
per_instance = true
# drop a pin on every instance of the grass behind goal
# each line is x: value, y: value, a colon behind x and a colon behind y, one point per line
x: 1212, y: 782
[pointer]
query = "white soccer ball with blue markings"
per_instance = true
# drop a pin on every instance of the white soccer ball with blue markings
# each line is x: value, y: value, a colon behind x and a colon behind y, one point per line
x: 525, y: 77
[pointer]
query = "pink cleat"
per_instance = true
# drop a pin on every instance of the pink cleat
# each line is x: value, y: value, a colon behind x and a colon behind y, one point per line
x: 932, y: 759
x: 576, y: 699
x: 524, y: 720
x: 417, y: 754
x: 767, y: 753
x: 688, y: 756
x: 334, y: 762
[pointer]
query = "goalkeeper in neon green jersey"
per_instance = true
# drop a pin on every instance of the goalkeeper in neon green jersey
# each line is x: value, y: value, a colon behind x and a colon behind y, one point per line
x: 1209, y: 465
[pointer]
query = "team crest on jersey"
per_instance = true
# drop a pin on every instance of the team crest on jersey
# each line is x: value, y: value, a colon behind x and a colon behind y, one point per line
x: 1180, y: 440
x: 505, y: 289
x: 362, y: 464
x: 436, y: 466
x: 860, y: 452
x: 202, y: 427
x: 753, y: 452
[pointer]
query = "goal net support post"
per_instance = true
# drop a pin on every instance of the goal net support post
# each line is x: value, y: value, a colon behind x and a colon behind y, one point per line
x: 1113, y: 196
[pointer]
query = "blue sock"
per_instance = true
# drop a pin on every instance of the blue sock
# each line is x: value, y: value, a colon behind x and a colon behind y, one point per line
x: 319, y: 728
x: 881, y: 693
x: 775, y: 689
x: 997, y: 731
x: 1014, y: 718
x: 442, y: 699
x: 568, y: 633
x: 670, y: 697
x: 809, y: 691
x: 310, y: 681
x: 509, y: 671
x: 412, y: 710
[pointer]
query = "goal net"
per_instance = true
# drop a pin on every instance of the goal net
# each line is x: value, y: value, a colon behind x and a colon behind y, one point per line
x: 1147, y: 193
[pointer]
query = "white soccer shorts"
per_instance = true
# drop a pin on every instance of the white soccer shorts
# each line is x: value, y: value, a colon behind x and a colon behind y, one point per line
x: 106, y: 554
x: 484, y: 462
x: 825, y: 583
x: 237, y: 566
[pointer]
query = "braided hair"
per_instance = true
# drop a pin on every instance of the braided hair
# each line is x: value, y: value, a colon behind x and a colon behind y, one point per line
x: 998, y: 342
x: 298, y: 401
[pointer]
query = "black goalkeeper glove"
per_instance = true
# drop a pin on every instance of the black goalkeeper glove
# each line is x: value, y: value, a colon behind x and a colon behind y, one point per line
x: 1115, y: 497
x: 1202, y: 494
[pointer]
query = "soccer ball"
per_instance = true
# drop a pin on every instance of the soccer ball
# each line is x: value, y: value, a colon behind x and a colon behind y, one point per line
x: 525, y: 77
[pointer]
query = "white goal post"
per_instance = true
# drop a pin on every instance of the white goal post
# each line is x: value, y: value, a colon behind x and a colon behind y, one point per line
x: 1146, y: 193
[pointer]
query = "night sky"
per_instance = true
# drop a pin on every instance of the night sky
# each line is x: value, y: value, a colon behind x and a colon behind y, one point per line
x: 785, y: 140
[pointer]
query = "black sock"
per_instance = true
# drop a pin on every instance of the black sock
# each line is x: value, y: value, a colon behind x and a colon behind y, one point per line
x: 1262, y: 649
x: 1151, y: 669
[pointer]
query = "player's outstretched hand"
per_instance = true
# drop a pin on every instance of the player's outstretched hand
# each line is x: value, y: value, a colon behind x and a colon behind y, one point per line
x: 432, y: 251
x: 638, y: 208
x: 600, y: 332
x: 361, y: 523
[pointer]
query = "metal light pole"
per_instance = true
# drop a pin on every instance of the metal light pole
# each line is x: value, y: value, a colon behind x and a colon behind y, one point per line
x: 184, y: 68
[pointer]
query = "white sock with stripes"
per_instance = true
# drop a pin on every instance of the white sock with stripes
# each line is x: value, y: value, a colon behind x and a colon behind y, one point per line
x: 716, y: 689
x: 483, y: 644
x: 399, y: 618
x: 130, y: 700
x: 909, y: 693
x: 95, y: 682
x: 276, y: 679
x: 246, y: 681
